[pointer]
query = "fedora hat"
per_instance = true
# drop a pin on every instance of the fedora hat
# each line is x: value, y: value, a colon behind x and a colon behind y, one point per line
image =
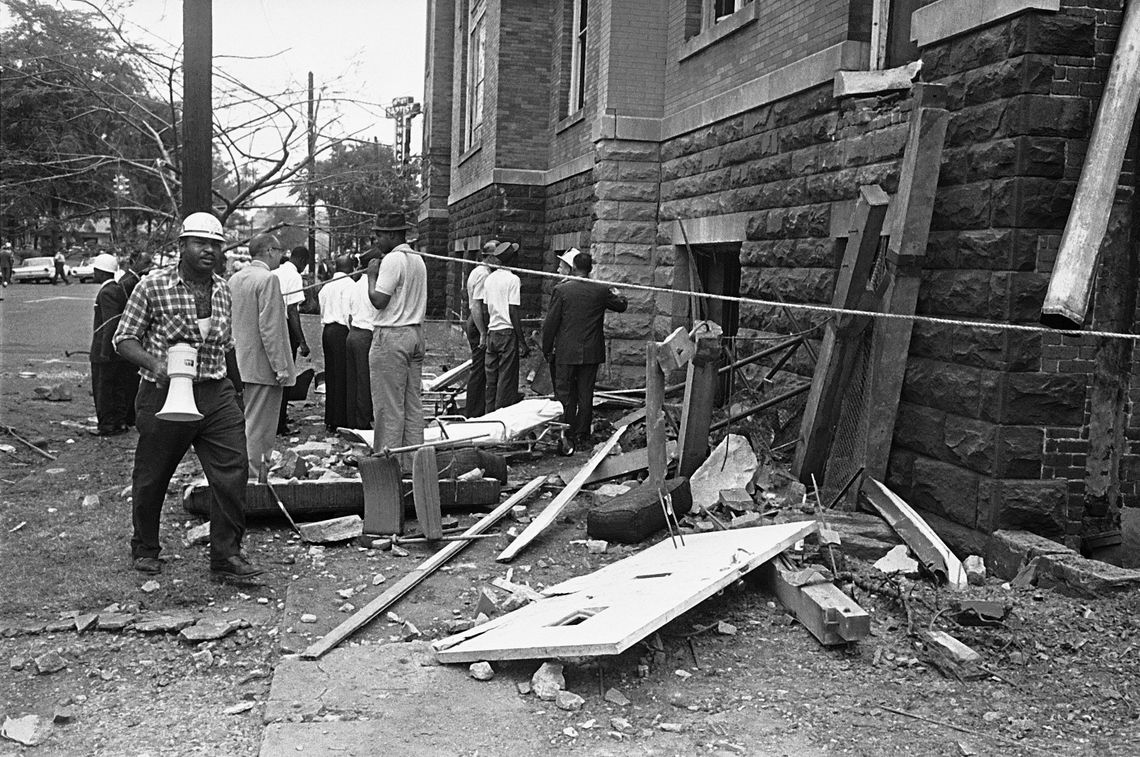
x: 390, y: 222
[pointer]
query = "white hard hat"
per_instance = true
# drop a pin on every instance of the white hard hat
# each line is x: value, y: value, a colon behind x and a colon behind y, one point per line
x: 568, y: 256
x: 203, y: 225
x: 105, y: 262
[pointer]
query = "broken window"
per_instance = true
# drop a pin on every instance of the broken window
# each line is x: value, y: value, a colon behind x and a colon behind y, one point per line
x: 476, y: 71
x: 578, y: 57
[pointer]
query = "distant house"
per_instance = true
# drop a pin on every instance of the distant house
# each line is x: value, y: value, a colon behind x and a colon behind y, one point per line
x: 701, y: 143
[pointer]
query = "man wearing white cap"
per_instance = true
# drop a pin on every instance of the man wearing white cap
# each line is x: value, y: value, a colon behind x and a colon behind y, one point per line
x: 187, y: 303
x: 505, y: 340
x: 493, y: 251
x: 111, y: 375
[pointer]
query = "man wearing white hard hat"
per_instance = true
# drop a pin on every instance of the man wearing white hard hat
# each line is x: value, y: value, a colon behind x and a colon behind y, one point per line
x: 190, y: 304
x: 110, y: 373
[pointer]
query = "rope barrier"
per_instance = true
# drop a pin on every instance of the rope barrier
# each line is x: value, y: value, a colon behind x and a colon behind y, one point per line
x: 824, y: 309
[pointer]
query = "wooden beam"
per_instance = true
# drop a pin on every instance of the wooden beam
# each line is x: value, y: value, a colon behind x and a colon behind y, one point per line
x: 914, y: 206
x: 831, y: 616
x: 1074, y: 271
x: 547, y: 516
x: 821, y: 413
x: 366, y: 614
x: 617, y: 466
x: 926, y: 545
x: 447, y: 378
x: 696, y: 415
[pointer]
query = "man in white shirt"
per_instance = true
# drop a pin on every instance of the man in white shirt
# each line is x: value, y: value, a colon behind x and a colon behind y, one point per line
x: 335, y: 300
x: 398, y: 289
x: 477, y: 325
x: 361, y: 324
x: 505, y: 342
x: 292, y: 291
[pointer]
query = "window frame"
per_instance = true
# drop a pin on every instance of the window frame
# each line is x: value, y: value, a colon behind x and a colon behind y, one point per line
x: 474, y: 87
x: 708, y: 12
x: 579, y: 28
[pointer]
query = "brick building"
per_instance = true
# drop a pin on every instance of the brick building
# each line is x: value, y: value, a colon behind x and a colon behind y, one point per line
x: 643, y: 129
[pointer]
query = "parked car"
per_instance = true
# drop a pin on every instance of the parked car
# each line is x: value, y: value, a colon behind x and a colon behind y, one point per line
x: 84, y: 271
x: 34, y: 269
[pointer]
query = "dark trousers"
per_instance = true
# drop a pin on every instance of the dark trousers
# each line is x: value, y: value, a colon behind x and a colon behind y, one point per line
x: 218, y: 440
x: 477, y: 377
x: 357, y: 385
x: 574, y: 388
x: 334, y: 338
x: 60, y: 273
x: 283, y: 414
x: 114, y: 385
x: 501, y: 369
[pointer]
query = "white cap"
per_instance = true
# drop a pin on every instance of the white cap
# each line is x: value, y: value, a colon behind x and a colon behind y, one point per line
x: 568, y: 256
x: 203, y: 225
x: 105, y: 262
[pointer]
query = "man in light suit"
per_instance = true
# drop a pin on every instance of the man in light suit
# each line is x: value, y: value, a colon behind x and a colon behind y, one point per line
x: 261, y: 338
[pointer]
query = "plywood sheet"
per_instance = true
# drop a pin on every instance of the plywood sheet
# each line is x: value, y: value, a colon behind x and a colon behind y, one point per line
x: 610, y: 610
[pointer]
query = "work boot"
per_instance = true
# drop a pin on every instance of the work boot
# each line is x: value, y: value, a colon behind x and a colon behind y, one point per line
x: 234, y: 567
x: 149, y: 565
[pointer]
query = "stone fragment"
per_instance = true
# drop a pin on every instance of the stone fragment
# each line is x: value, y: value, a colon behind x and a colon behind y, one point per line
x: 671, y: 727
x: 597, y: 546
x: 745, y: 520
x: 738, y: 499
x: 85, y: 622
x: 481, y: 671
x: 519, y: 513
x: 49, y: 662
x: 164, y: 623
x: 114, y: 621
x: 378, y: 579
x: 308, y: 617
x: 613, y: 696
x: 1027, y: 576
x: 547, y: 681
x: 621, y: 725
x: 150, y: 587
x: 205, y: 657
x: 292, y: 465
x: 898, y: 560
x: 975, y: 569
x: 730, y: 466
x: 398, y: 551
x: 239, y: 708
x: 63, y: 624
x: 209, y: 629
x: 332, y: 530
x: 523, y: 687
x: 320, y: 449
x: 570, y: 731
x: 458, y: 625
x: 488, y: 603
x: 54, y: 393
x: 18, y: 662
x: 952, y: 648
x: 725, y: 629
x: 569, y: 701
x: 606, y: 492
x: 29, y: 730
x: 199, y: 534
x: 90, y: 500
x: 63, y: 713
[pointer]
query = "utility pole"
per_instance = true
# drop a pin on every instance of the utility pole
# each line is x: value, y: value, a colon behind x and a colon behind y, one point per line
x: 197, y: 113
x: 310, y: 194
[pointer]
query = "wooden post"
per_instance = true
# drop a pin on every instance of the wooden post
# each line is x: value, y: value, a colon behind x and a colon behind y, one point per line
x: 1071, y: 284
x: 821, y: 413
x: 700, y: 393
x: 913, y: 207
x: 197, y: 113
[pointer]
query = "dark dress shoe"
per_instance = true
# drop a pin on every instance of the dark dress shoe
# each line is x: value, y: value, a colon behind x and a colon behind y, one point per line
x: 109, y: 431
x: 235, y: 566
x: 149, y: 565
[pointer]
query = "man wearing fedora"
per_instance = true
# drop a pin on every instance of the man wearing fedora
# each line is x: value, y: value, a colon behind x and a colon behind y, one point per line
x: 397, y: 288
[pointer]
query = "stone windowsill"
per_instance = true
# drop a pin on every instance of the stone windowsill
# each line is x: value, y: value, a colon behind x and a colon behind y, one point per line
x: 466, y: 156
x: 574, y: 118
x: 719, y: 31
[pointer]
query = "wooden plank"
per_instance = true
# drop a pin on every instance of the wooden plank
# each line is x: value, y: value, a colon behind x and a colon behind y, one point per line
x: 547, y: 516
x: 388, y: 598
x: 926, y: 545
x: 654, y: 416
x: 696, y: 413
x: 821, y: 412
x: 617, y: 466
x: 830, y: 615
x: 383, y: 494
x: 1074, y: 271
x: 447, y: 378
x: 914, y: 206
x: 425, y: 493
x: 611, y: 609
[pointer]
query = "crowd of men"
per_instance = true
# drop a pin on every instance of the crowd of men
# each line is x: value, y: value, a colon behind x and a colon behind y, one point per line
x: 247, y: 333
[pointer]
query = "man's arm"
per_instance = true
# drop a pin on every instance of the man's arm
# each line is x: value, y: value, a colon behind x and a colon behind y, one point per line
x: 551, y: 324
x: 296, y: 333
x: 132, y: 350
x: 379, y: 300
x: 479, y: 318
x: 275, y: 340
x: 616, y: 301
x: 516, y: 322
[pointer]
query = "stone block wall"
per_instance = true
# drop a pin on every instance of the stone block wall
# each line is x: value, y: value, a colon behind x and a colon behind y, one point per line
x: 433, y: 239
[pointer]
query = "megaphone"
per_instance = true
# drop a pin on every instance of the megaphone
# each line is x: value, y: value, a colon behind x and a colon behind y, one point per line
x: 181, y: 367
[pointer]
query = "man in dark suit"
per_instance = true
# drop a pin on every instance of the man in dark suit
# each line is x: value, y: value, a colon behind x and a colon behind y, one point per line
x: 574, y: 341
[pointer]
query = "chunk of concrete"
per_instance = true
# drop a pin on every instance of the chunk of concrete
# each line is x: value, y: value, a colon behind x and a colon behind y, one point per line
x: 1084, y: 577
x: 333, y: 530
x: 209, y: 629
x: 569, y: 701
x: 199, y: 534
x: 898, y: 560
x: 164, y: 622
x: 50, y: 662
x: 975, y: 569
x: 1008, y: 551
x: 547, y: 681
x: 481, y: 671
x: 29, y: 730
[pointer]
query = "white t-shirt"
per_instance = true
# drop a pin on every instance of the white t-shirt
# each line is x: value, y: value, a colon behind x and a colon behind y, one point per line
x: 291, y: 283
x: 363, y: 315
x: 475, y: 282
x: 500, y: 291
x: 403, y: 277
x: 335, y: 297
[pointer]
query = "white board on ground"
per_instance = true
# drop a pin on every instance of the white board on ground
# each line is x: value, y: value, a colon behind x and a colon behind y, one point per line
x: 610, y: 610
x: 730, y: 466
x: 502, y: 425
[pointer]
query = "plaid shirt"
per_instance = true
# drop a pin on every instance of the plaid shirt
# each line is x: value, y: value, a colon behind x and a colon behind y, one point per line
x: 161, y: 312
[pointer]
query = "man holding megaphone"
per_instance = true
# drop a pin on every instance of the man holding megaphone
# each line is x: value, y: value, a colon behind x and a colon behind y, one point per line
x: 177, y: 329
